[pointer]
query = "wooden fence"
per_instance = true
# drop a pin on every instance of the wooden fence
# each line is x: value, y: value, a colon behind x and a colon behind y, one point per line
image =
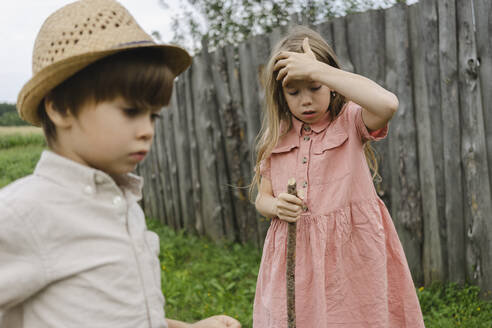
x: 435, y: 55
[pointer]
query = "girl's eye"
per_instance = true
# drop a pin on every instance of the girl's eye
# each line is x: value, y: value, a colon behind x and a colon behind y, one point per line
x: 315, y: 88
x: 155, y: 116
x: 293, y: 93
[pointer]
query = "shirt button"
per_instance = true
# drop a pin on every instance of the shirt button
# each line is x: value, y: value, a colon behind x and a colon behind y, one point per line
x: 304, y: 208
x: 304, y: 160
x: 307, y: 128
x: 88, y: 190
x: 304, y: 185
x: 306, y: 138
x: 117, y: 200
x: 99, y: 179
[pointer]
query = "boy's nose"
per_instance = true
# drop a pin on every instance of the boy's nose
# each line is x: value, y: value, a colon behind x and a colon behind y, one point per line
x: 146, y: 129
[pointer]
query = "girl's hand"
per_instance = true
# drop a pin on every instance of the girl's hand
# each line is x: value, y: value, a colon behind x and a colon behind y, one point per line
x: 295, y: 65
x: 218, y: 321
x: 288, y: 207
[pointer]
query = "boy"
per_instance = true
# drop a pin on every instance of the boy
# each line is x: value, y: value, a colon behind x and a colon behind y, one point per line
x: 74, y: 247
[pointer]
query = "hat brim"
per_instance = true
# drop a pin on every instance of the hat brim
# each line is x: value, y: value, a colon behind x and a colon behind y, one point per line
x: 33, y: 92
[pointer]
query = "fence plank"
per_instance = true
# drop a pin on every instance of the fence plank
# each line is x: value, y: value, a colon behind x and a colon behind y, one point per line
x: 246, y: 215
x: 449, y: 110
x: 165, y: 175
x: 194, y: 155
x: 366, y: 47
x: 340, y: 44
x: 230, y: 129
x: 209, y: 139
x: 432, y: 254
x: 405, y: 196
x: 474, y: 154
x: 483, y: 19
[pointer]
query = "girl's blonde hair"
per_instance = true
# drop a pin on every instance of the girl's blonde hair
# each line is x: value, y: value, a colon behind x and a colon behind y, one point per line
x: 277, y: 112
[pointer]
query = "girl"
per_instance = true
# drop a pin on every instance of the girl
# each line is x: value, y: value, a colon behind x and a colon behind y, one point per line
x: 350, y: 267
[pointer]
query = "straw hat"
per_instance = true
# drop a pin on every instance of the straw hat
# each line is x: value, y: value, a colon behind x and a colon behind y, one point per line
x: 77, y: 35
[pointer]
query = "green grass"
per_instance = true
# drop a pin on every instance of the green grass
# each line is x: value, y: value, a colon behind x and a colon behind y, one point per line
x: 200, y: 278
x: 453, y: 306
x: 19, y: 154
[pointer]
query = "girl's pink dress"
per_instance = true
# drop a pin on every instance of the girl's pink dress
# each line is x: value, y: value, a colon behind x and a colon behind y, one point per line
x: 350, y: 267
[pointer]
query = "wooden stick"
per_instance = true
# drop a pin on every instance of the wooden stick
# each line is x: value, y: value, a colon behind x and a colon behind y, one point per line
x: 291, y: 263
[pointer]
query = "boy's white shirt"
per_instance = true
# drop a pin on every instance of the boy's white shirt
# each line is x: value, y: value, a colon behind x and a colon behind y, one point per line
x: 75, y: 251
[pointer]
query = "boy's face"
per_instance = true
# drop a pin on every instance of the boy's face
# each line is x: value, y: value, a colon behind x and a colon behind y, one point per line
x: 110, y: 136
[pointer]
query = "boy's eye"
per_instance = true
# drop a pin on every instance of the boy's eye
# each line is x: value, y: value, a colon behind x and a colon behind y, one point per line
x: 155, y: 116
x: 131, y: 112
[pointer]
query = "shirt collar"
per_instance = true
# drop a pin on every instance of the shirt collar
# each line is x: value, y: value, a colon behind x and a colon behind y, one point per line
x: 71, y: 174
x: 317, y: 127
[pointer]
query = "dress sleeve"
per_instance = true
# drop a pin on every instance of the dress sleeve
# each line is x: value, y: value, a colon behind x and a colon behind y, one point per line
x: 22, y: 272
x: 265, y: 168
x: 354, y: 112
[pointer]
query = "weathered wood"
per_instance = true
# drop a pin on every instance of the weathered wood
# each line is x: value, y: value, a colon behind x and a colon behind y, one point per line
x: 170, y: 150
x: 261, y: 50
x: 405, y: 197
x: 230, y: 130
x: 483, y: 20
x: 154, y: 182
x: 340, y: 45
x: 165, y: 173
x: 209, y: 139
x: 290, y: 272
x: 478, y: 209
x: 449, y: 110
x: 180, y: 128
x: 366, y: 48
x: 326, y: 31
x: 432, y: 254
x: 194, y: 155
x: 429, y: 24
x: 245, y: 213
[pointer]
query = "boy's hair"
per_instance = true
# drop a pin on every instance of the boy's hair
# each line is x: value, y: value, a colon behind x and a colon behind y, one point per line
x: 139, y: 76
x: 278, y: 114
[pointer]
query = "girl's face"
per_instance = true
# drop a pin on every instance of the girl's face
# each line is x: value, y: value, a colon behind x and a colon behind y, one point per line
x: 307, y: 100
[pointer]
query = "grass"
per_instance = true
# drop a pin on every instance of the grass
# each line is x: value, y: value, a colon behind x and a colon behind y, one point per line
x: 20, y: 149
x: 200, y: 278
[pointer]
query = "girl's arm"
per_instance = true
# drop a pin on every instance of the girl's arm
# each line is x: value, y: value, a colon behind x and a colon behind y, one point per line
x: 286, y: 207
x: 378, y: 104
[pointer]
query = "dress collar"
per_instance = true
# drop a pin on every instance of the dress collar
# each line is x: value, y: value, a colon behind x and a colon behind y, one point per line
x: 71, y: 174
x: 317, y: 127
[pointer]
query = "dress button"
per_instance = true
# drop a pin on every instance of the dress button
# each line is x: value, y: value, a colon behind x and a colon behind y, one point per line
x: 307, y: 128
x: 304, y: 160
x: 88, y: 190
x: 304, y: 208
x: 99, y: 179
x: 304, y: 185
x: 306, y: 138
x: 117, y: 200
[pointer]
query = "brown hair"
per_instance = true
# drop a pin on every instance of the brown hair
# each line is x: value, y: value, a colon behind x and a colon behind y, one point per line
x: 277, y: 111
x: 140, y: 76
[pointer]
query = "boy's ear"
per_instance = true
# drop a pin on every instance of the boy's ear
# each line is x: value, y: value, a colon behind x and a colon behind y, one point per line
x: 59, y: 119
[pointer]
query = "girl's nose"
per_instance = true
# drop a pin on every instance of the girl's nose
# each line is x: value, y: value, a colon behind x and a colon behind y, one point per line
x: 306, y: 99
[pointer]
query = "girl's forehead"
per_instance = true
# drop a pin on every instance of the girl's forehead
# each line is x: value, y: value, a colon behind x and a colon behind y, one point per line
x: 298, y: 84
